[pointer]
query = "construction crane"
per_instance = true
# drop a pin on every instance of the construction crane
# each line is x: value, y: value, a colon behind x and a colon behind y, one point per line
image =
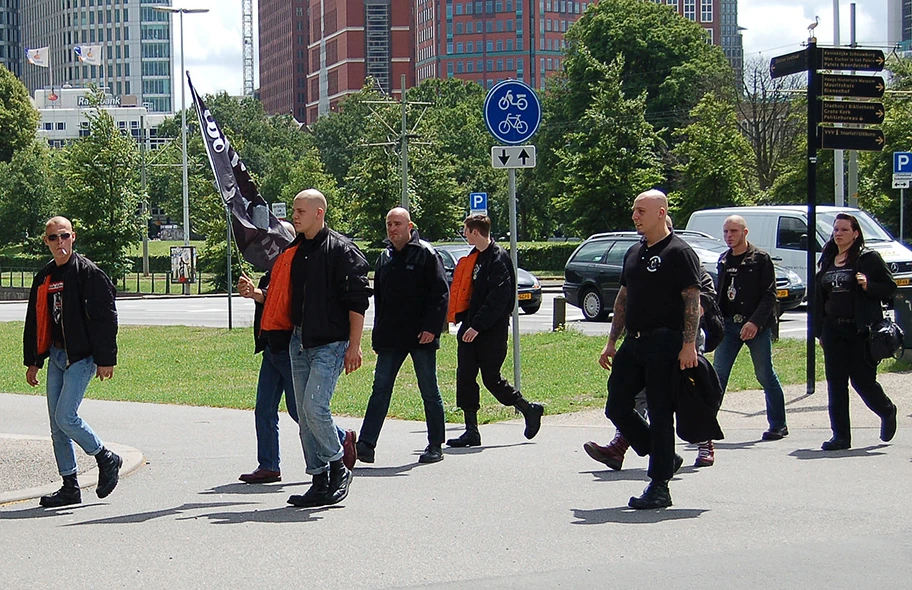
x: 247, y: 32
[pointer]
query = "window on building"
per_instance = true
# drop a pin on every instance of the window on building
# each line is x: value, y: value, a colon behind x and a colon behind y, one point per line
x: 459, y: 28
x: 500, y: 65
x: 469, y: 30
x: 509, y: 44
x: 500, y: 26
x: 489, y: 27
x: 510, y: 26
x: 509, y: 64
x: 706, y: 11
x: 459, y: 67
x: 690, y: 9
x: 490, y: 64
x: 470, y: 47
x: 489, y: 46
x: 500, y: 45
x: 459, y: 9
x: 470, y: 66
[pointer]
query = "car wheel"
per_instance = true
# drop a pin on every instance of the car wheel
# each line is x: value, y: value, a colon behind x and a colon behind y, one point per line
x: 530, y: 309
x: 593, y: 307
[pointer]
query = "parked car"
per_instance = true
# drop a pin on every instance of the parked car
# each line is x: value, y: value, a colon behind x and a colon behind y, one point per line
x: 530, y: 293
x: 592, y: 275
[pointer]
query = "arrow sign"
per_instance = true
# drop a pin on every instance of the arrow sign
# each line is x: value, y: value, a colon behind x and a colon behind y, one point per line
x: 514, y: 156
x: 836, y: 138
x: 859, y: 113
x: 856, y: 86
x: 863, y: 60
x: 790, y: 63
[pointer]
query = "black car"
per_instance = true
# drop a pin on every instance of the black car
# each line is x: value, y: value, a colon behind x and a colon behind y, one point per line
x: 592, y: 275
x: 530, y: 293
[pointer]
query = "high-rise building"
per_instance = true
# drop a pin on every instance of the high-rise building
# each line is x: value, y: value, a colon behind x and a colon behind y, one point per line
x: 730, y: 37
x: 283, y: 34
x: 899, y: 24
x: 135, y: 40
x: 11, y: 51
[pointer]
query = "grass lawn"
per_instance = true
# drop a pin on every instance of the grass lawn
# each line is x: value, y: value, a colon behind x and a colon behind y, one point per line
x: 217, y: 367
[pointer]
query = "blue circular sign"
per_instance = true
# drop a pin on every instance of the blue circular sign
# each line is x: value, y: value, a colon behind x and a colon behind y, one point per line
x: 512, y: 112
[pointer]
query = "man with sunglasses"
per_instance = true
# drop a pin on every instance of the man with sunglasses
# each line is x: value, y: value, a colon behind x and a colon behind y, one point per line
x: 72, y: 322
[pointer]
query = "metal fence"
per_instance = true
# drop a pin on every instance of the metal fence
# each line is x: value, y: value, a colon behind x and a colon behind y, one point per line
x: 134, y: 282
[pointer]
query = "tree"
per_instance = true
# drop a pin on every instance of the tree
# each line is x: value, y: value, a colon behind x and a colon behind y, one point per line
x: 18, y: 118
x: 713, y: 159
x: 26, y: 194
x: 101, y: 196
x: 609, y: 158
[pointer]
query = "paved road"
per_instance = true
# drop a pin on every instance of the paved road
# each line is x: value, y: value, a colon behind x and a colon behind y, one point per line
x: 213, y: 312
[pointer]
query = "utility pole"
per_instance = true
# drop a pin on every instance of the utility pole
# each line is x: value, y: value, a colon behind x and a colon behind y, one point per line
x: 853, y: 154
x: 403, y: 135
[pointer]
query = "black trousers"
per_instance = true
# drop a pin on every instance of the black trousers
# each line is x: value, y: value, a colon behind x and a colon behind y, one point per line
x: 487, y: 354
x: 845, y: 360
x: 650, y: 362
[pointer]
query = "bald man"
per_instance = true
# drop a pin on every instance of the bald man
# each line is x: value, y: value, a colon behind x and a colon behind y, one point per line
x: 410, y: 295
x: 71, y: 291
x: 658, y: 307
x: 747, y: 298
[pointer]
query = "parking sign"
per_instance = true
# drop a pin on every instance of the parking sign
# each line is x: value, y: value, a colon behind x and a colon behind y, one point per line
x: 902, y: 163
x: 478, y: 203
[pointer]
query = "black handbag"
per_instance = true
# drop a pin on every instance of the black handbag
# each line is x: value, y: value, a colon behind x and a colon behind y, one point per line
x: 885, y: 340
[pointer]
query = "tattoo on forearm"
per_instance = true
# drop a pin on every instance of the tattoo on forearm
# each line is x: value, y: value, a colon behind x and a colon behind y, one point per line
x: 620, y: 315
x: 691, y: 313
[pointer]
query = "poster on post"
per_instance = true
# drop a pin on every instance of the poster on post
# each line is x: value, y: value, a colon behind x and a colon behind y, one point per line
x: 183, y: 264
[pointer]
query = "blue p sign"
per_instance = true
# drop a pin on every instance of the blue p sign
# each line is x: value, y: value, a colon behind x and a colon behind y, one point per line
x: 902, y: 162
x: 478, y: 203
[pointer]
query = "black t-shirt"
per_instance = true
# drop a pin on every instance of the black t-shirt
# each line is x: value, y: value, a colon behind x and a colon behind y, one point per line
x: 839, y: 285
x: 55, y: 299
x: 655, y: 276
x: 729, y: 284
x: 299, y: 275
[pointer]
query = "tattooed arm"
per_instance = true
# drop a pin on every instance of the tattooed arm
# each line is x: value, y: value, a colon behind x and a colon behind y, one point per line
x: 617, y: 328
x: 688, y: 355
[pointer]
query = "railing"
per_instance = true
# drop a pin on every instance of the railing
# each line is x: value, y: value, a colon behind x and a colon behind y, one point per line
x: 134, y: 282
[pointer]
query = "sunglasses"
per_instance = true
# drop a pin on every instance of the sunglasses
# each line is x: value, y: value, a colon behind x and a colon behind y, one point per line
x: 62, y: 236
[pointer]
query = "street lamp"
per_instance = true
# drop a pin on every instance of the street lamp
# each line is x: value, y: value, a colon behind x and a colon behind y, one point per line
x: 181, y: 12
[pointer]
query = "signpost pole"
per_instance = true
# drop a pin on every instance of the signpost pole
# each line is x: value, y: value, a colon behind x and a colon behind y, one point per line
x: 813, y: 97
x: 514, y: 256
x: 902, y: 198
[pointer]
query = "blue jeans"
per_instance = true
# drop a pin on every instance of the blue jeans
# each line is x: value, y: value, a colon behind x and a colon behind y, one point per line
x: 66, y: 387
x: 388, y: 364
x: 274, y: 381
x: 761, y: 351
x: 315, y: 372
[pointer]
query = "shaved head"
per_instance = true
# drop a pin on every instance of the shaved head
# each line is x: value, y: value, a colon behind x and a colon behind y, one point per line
x: 309, y: 211
x: 398, y: 227
x: 313, y: 196
x: 649, y: 215
x: 735, y: 219
x: 734, y: 233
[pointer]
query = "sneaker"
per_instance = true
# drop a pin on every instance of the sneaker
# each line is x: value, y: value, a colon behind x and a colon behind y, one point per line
x: 706, y: 455
x: 656, y: 495
x: 365, y: 452
x: 349, y: 450
x: 431, y: 454
x: 611, y: 455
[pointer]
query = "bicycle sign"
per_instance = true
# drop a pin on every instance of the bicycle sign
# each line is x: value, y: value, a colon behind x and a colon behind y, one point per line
x: 512, y: 112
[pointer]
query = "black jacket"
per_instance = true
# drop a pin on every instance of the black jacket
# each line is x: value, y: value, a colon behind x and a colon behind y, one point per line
x: 756, y: 287
x: 89, y: 321
x: 868, y: 308
x: 410, y: 296
x: 493, y: 291
x: 336, y: 284
x: 697, y: 399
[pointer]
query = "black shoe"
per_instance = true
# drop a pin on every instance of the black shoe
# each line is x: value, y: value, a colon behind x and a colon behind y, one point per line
x: 339, y: 481
x: 888, y: 426
x: 431, y: 454
x: 679, y: 460
x: 66, y: 495
x: 316, y: 495
x: 836, y: 444
x: 109, y: 465
x: 776, y: 433
x: 533, y: 415
x: 365, y: 452
x: 656, y: 495
x: 469, y: 438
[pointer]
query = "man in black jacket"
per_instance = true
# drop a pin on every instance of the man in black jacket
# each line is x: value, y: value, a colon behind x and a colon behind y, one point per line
x: 482, y: 335
x: 747, y: 298
x: 71, y: 320
x: 410, y: 295
x: 329, y: 294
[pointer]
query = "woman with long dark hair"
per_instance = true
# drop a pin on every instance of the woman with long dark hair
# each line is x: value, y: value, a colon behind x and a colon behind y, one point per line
x: 852, y: 282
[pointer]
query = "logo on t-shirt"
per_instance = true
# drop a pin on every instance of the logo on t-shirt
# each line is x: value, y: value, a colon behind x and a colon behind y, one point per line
x: 55, y: 289
x: 654, y: 263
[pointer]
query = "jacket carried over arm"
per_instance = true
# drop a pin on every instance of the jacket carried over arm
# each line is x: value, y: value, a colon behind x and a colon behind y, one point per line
x: 89, y: 317
x: 868, y: 303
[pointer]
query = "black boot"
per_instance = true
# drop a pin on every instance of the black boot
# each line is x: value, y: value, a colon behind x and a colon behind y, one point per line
x: 533, y: 413
x: 108, y: 472
x: 339, y: 479
x: 316, y: 495
x: 471, y: 437
x: 656, y: 495
x: 66, y: 495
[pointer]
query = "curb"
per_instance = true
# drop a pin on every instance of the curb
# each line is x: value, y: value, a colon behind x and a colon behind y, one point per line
x: 132, y: 460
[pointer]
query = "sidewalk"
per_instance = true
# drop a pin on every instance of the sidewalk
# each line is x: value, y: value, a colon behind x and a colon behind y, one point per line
x: 511, y: 514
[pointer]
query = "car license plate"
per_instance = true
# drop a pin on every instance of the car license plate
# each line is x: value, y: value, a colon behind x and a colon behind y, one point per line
x: 524, y: 296
x: 782, y: 293
x: 902, y: 282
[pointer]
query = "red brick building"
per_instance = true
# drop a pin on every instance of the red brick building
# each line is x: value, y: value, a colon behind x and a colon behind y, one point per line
x: 283, y: 56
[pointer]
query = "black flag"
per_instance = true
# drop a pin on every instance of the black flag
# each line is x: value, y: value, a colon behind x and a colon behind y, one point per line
x: 259, y: 235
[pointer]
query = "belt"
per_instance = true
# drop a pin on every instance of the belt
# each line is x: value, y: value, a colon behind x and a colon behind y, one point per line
x: 839, y: 320
x: 640, y: 333
x: 738, y: 318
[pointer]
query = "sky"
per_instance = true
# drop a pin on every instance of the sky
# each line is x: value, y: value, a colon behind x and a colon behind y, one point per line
x: 213, y: 41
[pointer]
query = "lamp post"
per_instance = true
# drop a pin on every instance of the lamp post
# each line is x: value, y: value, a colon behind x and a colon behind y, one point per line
x: 186, y: 201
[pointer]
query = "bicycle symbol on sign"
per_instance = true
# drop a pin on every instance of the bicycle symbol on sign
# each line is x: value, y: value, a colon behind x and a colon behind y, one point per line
x: 513, y: 122
x: 506, y: 101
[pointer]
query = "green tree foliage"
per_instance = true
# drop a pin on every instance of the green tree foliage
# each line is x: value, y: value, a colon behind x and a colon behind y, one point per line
x: 18, y: 118
x: 101, y: 193
x: 26, y: 195
x: 608, y: 159
x: 713, y: 159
